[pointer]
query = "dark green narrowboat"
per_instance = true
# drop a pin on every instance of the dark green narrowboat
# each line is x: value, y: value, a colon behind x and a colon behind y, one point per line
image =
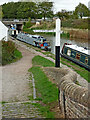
x: 77, y: 54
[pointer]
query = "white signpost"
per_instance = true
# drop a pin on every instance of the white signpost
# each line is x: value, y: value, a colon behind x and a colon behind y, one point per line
x: 57, y: 43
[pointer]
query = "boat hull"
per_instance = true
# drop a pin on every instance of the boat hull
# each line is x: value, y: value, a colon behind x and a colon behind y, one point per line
x: 77, y: 57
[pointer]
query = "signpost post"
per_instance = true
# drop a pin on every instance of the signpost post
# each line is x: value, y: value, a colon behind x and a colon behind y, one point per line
x: 57, y: 43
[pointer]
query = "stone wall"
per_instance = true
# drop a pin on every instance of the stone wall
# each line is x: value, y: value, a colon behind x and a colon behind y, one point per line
x: 73, y: 99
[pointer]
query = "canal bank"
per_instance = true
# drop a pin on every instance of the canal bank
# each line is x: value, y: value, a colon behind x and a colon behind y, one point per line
x: 76, y: 33
x: 37, y: 69
x: 40, y: 65
x: 52, y: 38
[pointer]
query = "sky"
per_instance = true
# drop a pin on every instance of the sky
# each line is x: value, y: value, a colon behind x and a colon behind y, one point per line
x: 68, y: 5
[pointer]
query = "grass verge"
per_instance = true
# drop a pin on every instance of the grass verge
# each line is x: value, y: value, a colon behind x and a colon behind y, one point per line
x: 80, y: 70
x: 38, y: 60
x: 47, y: 92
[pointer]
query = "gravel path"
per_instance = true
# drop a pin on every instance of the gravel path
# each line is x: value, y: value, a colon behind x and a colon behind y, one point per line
x: 15, y: 85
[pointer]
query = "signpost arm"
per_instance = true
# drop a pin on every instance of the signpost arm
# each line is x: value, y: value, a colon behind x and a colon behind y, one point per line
x: 57, y: 43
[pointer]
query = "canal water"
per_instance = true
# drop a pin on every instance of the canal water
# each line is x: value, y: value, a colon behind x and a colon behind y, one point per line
x: 78, y: 42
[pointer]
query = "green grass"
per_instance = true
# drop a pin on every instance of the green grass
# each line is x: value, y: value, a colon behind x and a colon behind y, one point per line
x: 83, y: 72
x: 38, y: 60
x: 3, y: 102
x: 17, y: 55
x: 44, y: 110
x: 47, y: 90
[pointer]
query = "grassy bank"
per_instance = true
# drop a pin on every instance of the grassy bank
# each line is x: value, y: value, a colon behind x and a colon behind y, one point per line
x: 67, y: 23
x: 80, y: 70
x: 9, y: 53
x: 72, y: 28
x: 47, y: 92
x: 75, y: 23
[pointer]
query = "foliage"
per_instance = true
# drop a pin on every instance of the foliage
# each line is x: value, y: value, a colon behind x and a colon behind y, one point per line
x: 28, y: 24
x: 81, y: 10
x: 1, y: 13
x: 63, y: 14
x: 46, y: 9
x: 23, y: 10
x: 9, y: 52
x: 27, y: 30
x: 26, y: 10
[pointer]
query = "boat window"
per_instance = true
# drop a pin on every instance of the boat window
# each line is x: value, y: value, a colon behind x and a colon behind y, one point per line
x: 68, y: 52
x: 86, y: 60
x: 78, y: 56
x: 33, y: 37
x: 44, y: 39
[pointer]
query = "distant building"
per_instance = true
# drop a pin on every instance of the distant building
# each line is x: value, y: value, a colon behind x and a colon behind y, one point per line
x: 3, y: 32
x: 37, y: 23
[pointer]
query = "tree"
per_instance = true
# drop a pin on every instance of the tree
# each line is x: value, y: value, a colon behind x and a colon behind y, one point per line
x: 1, y: 13
x: 63, y: 14
x: 28, y: 24
x: 81, y: 10
x: 46, y: 9
x: 22, y: 10
x: 26, y: 10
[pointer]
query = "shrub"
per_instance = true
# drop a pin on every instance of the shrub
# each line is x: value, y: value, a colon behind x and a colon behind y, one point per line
x: 9, y: 52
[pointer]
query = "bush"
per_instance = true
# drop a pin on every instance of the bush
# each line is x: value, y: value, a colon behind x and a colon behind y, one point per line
x: 9, y: 52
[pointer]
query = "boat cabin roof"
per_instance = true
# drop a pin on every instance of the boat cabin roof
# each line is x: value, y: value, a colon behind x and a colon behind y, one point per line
x: 80, y: 49
x: 37, y: 36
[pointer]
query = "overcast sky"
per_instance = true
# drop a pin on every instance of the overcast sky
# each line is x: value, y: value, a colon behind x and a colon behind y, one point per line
x: 59, y: 4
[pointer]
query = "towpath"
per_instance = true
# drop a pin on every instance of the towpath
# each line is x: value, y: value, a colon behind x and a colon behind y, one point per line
x: 80, y: 79
x: 17, y: 87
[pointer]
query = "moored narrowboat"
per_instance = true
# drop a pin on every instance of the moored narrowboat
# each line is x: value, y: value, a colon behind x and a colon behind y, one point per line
x: 77, y: 54
x: 35, y: 40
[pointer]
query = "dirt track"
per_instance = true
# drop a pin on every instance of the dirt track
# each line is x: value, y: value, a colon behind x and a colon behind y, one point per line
x: 15, y: 85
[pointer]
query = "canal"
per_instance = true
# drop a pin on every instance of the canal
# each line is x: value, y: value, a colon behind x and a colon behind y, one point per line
x: 79, y: 42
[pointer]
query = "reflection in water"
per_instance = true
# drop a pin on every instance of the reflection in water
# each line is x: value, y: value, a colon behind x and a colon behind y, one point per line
x: 79, y: 42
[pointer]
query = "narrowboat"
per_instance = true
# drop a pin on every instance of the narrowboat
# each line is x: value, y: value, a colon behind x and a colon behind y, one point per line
x: 35, y: 40
x: 44, y: 45
x: 13, y: 32
x: 77, y: 54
